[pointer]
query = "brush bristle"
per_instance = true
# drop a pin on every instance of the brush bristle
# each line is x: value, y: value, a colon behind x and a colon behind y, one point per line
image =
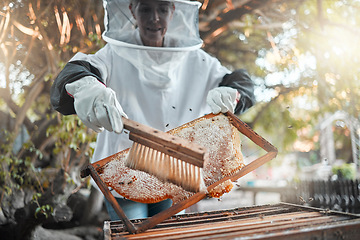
x: 165, y: 167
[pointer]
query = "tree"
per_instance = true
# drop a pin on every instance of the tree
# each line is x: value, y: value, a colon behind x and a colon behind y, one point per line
x: 41, y: 152
x: 306, y: 56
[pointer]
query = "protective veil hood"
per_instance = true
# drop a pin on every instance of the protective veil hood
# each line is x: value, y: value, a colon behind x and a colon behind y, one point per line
x: 156, y: 65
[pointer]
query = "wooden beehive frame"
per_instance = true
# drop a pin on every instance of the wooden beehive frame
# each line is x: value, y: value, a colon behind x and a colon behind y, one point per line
x: 151, y: 222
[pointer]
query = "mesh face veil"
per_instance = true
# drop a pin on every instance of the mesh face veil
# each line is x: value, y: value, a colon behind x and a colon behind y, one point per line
x: 156, y: 65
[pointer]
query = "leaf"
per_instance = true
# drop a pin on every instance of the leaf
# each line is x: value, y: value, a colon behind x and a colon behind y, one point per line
x: 37, y: 211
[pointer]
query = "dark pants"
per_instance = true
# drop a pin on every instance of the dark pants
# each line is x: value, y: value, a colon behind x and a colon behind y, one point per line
x: 136, y: 210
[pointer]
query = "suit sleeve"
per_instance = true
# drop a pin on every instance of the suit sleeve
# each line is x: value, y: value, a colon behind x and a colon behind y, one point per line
x: 72, y: 71
x: 240, y: 80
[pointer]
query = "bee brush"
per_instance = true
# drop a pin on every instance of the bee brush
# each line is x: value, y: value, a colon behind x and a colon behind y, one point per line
x: 169, y: 158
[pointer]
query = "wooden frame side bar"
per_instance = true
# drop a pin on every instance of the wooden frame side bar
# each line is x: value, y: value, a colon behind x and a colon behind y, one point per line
x: 119, y: 211
x: 251, y: 134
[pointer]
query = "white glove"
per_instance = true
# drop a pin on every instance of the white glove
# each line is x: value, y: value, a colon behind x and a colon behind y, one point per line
x: 223, y: 99
x: 96, y: 105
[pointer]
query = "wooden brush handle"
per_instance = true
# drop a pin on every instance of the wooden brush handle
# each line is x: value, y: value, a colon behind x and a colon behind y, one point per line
x: 165, y: 142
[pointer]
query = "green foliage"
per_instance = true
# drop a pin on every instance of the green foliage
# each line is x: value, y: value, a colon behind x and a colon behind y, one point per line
x: 71, y: 133
x: 45, y: 158
x: 94, y: 39
x: 20, y: 174
x: 311, y: 68
x: 45, y: 210
x: 331, y: 36
x: 16, y: 172
x: 345, y: 171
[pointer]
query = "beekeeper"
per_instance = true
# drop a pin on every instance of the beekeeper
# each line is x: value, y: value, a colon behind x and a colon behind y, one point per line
x: 151, y: 70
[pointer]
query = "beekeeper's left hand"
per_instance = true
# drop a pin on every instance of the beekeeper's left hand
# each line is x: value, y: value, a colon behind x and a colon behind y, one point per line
x: 223, y: 99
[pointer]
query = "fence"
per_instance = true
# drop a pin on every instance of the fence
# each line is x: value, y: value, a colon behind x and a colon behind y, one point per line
x: 340, y: 195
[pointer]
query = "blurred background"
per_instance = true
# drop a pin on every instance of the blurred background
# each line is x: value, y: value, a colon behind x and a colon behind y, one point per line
x: 303, y: 56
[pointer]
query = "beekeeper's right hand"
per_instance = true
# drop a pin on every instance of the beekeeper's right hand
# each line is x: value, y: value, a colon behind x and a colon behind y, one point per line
x: 96, y: 105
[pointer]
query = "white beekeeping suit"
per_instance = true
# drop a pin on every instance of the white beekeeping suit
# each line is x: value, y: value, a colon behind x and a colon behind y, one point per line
x: 156, y: 86
x: 162, y: 87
